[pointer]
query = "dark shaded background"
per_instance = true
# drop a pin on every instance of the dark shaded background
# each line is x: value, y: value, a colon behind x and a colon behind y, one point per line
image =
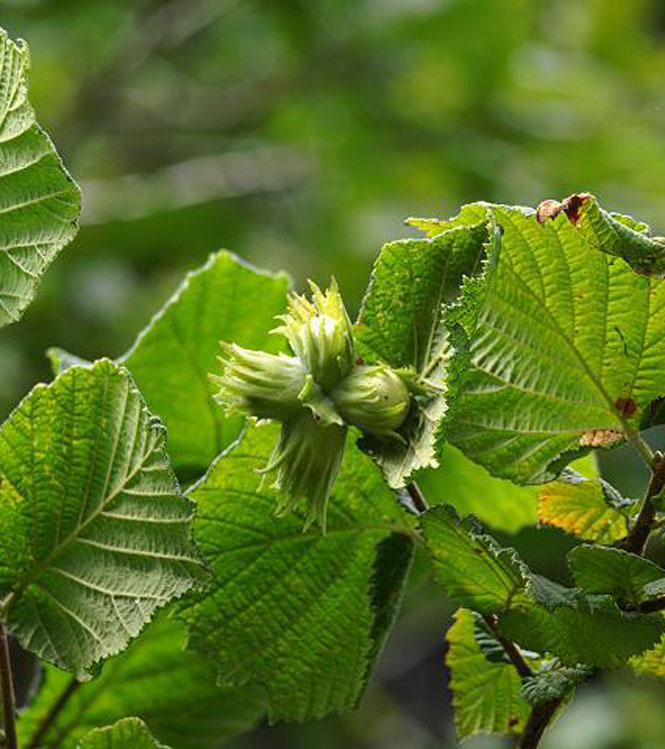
x: 300, y: 133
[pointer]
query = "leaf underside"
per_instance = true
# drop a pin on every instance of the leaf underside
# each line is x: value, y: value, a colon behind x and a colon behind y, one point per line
x: 470, y: 566
x: 98, y: 536
x: 583, y: 507
x: 129, y: 732
x: 300, y: 613
x: 39, y: 201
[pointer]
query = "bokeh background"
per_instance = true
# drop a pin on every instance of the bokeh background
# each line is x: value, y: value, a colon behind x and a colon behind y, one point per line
x: 300, y: 133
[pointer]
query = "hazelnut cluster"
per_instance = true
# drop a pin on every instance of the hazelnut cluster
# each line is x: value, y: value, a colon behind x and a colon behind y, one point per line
x: 316, y: 394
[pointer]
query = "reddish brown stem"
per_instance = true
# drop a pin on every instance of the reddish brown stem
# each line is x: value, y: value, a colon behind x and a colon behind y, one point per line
x: 636, y: 540
x: 7, y: 686
x: 538, y: 720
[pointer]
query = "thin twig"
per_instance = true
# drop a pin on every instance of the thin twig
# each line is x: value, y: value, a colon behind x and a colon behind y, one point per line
x: 537, y: 722
x: 7, y: 686
x: 643, y: 448
x: 56, y: 707
x: 638, y: 535
x: 509, y: 647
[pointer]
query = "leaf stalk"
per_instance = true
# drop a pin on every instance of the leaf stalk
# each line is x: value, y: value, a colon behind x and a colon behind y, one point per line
x: 56, y: 707
x: 7, y: 687
x: 635, y: 541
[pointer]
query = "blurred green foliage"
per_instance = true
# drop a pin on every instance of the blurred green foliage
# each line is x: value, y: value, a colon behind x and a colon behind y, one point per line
x: 299, y: 133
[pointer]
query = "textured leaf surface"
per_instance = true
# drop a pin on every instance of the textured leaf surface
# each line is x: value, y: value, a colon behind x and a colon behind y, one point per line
x: 129, y: 732
x: 623, y: 575
x: 403, y: 323
x: 171, y: 689
x: 226, y: 300
x: 96, y: 536
x: 578, y: 628
x: 486, y: 695
x: 39, y: 202
x: 568, y: 352
x: 588, y: 508
x: 469, y: 565
x: 301, y: 613
x: 621, y: 236
x: 553, y: 682
x: 471, y: 490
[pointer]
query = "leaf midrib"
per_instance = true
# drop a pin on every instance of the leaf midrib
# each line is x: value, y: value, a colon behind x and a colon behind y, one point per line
x: 578, y: 355
x: 73, y: 537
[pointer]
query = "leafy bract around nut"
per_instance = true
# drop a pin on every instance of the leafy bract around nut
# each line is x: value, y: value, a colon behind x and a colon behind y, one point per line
x: 315, y: 394
x: 374, y: 399
x: 418, y: 311
x: 320, y: 334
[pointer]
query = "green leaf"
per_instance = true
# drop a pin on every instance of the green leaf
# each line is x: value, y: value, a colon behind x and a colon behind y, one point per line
x: 404, y: 323
x: 471, y: 490
x: 578, y: 628
x: 553, y: 682
x: 96, y: 535
x: 469, y: 215
x: 129, y: 732
x: 469, y: 565
x: 39, y: 201
x: 568, y: 351
x: 486, y: 694
x: 302, y: 613
x: 623, y: 237
x: 586, y: 507
x: 171, y: 689
x: 623, y: 575
x: 228, y: 300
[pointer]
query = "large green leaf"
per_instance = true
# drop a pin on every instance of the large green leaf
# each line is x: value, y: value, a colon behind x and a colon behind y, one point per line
x: 173, y: 690
x: 486, y: 694
x: 626, y: 576
x: 301, y: 613
x: 126, y: 733
x: 406, y: 321
x: 39, y: 201
x: 469, y: 565
x: 578, y: 628
x: 534, y: 612
x: 568, y: 352
x: 96, y: 536
x: 228, y: 300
